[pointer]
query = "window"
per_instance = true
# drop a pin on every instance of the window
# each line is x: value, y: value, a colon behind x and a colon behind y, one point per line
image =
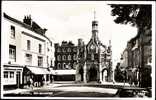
x: 64, y: 65
x: 58, y: 66
x: 12, y: 52
x: 5, y: 74
x: 51, y: 63
x: 64, y: 57
x: 69, y: 50
x: 58, y: 50
x: 40, y: 48
x: 69, y: 57
x: 63, y: 50
x: 75, y: 57
x: 40, y: 61
x: 74, y: 49
x: 28, y: 59
x: 92, y: 56
x: 12, y: 31
x: 11, y: 74
x: 58, y: 57
x: 28, y: 45
x: 48, y: 49
x: 51, y: 44
x: 74, y: 65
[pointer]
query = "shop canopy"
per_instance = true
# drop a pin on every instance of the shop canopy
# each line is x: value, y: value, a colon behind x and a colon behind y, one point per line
x: 38, y: 70
x: 63, y: 72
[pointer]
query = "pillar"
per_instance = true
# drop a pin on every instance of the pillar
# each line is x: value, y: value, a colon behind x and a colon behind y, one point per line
x: 85, y: 73
x: 45, y: 81
x: 100, y: 70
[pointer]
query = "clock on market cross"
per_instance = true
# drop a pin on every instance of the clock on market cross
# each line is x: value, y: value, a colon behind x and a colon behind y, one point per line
x: 92, y: 46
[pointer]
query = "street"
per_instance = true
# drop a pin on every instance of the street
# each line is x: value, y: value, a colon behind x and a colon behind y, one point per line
x: 68, y: 89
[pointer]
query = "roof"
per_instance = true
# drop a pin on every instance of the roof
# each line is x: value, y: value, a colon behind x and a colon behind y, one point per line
x: 24, y: 25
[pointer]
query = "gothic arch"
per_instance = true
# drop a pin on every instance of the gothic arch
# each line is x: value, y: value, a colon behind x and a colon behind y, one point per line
x: 104, y: 74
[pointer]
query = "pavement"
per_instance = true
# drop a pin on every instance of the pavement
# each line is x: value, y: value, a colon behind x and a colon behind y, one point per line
x: 72, y: 86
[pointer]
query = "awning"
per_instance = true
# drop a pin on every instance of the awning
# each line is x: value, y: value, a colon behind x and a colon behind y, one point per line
x: 38, y: 70
x: 64, y: 72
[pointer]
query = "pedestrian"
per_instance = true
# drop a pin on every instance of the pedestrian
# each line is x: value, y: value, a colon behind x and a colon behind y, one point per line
x: 31, y: 83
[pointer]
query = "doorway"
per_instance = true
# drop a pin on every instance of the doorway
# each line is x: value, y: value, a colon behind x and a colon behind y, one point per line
x: 18, y: 81
x: 81, y: 73
x: 92, y: 74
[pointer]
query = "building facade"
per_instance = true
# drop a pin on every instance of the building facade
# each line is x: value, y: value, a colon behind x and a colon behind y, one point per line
x: 26, y: 52
x: 65, y: 60
x: 139, y: 58
x: 94, y: 59
x: 86, y: 62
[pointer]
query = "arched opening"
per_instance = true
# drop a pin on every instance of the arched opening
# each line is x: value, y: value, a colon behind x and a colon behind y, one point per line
x: 81, y: 73
x: 104, y: 75
x: 92, y: 74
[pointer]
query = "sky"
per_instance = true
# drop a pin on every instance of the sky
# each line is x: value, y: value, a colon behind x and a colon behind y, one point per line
x: 70, y: 21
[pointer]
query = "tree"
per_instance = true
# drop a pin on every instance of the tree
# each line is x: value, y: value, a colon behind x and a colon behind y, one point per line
x: 119, y: 75
x: 139, y: 16
x: 136, y: 15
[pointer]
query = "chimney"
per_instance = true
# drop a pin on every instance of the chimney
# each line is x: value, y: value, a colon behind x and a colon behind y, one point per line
x: 27, y: 20
x: 80, y: 42
x: 44, y: 30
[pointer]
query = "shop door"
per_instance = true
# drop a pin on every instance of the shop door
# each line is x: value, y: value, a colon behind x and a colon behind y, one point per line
x: 18, y: 77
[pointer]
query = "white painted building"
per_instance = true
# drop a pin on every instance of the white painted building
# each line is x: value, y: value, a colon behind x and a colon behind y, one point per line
x: 24, y: 45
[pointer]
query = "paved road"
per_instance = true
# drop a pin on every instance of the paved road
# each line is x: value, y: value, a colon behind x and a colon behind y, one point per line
x: 66, y: 90
x: 69, y: 89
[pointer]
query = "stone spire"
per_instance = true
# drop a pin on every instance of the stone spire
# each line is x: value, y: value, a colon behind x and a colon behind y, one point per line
x: 95, y: 29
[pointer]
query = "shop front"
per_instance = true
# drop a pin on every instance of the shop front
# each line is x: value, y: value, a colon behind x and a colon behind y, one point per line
x: 39, y: 75
x: 12, y: 76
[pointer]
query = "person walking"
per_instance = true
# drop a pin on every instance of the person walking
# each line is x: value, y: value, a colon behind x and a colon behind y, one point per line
x: 31, y: 83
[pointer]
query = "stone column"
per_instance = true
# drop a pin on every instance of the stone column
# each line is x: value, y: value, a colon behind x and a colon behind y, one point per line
x: 100, y: 75
x: 45, y: 81
x: 85, y: 73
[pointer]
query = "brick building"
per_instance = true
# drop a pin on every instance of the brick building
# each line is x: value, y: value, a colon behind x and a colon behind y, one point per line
x: 65, y: 60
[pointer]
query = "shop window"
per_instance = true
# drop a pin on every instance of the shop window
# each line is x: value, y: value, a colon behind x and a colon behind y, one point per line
x: 6, y: 74
x: 11, y: 74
